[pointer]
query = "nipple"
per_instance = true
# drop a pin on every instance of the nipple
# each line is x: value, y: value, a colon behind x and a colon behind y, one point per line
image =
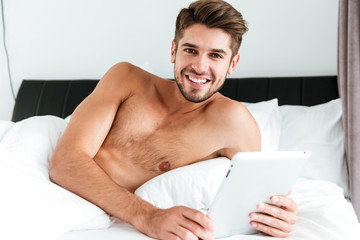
x: 164, y: 166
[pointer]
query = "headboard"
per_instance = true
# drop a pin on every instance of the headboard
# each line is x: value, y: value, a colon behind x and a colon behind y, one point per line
x: 61, y: 97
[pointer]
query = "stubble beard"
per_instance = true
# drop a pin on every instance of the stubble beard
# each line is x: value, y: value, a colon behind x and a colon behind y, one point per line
x: 192, y: 95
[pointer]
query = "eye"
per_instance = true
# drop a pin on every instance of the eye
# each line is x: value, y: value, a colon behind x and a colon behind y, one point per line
x: 190, y: 50
x: 215, y: 55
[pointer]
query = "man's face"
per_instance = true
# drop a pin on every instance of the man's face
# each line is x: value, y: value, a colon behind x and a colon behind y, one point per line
x: 202, y: 61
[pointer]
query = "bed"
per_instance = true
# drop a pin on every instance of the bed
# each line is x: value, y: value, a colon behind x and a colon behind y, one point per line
x: 293, y: 113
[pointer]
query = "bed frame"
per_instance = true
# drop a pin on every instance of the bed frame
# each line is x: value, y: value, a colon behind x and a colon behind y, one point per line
x: 61, y: 97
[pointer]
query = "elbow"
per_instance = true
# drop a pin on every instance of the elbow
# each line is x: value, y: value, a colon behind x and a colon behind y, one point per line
x: 56, y: 170
x: 53, y: 171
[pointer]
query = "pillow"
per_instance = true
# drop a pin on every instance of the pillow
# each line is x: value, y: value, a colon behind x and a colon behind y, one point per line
x: 199, y: 181
x: 32, y: 142
x: 268, y: 118
x: 318, y: 129
x: 67, y: 119
x: 4, y: 126
x: 30, y: 201
x: 38, y: 207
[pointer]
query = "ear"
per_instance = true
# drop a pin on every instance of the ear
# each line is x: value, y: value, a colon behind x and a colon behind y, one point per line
x: 173, y: 51
x: 233, y: 63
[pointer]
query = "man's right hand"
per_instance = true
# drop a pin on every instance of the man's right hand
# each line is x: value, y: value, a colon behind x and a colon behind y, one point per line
x: 178, y: 223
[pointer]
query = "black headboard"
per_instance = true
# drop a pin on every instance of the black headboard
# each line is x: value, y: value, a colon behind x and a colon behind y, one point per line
x: 60, y: 97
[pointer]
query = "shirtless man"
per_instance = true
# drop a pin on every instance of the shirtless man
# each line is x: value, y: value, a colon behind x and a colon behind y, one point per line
x: 135, y: 126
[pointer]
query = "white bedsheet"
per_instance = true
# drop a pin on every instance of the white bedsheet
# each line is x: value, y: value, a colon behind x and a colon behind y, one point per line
x: 324, y: 214
x: 32, y: 207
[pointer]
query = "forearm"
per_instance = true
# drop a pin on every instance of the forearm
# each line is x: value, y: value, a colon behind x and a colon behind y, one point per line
x: 86, y: 179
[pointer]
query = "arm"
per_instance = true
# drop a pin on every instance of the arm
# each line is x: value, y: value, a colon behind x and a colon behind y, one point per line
x: 72, y: 165
x: 274, y: 219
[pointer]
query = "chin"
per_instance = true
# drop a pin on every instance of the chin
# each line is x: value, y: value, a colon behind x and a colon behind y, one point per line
x: 195, y: 98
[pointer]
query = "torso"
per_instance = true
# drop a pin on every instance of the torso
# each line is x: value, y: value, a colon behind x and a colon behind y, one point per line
x: 145, y: 141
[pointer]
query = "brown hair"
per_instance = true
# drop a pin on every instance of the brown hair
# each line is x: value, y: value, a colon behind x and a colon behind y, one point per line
x: 213, y: 14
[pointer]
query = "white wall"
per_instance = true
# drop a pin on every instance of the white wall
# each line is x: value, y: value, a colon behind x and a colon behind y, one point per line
x: 77, y: 39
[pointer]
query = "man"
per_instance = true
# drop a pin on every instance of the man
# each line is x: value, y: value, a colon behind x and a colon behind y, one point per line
x: 135, y: 126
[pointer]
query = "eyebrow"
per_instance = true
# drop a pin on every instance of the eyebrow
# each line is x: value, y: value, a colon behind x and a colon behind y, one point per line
x: 212, y: 50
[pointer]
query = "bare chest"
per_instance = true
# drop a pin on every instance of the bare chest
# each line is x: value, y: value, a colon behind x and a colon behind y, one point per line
x: 145, y: 139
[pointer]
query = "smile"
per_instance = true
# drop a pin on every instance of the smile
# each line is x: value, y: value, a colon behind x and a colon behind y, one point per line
x: 197, y: 80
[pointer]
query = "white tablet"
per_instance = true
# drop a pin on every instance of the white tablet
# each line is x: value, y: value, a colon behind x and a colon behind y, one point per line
x: 253, y: 177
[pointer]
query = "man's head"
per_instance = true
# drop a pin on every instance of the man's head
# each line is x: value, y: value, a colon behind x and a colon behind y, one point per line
x: 213, y: 14
x: 205, y: 49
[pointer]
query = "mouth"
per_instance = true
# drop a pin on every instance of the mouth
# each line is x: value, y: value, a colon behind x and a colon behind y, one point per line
x: 197, y: 81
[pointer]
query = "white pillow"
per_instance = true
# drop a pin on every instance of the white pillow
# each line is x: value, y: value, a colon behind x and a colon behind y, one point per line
x: 67, y: 119
x: 318, y: 129
x: 4, y: 126
x: 32, y: 142
x: 194, y: 185
x: 30, y: 201
x: 268, y: 118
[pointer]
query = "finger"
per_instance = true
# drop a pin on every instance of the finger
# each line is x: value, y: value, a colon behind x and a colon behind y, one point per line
x: 277, y: 212
x: 269, y: 230
x: 271, y: 222
x: 285, y: 202
x: 199, y: 218
x: 170, y: 236
x: 196, y: 229
x: 183, y: 233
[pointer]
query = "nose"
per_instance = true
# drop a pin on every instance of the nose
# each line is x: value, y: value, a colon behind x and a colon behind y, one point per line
x: 201, y: 64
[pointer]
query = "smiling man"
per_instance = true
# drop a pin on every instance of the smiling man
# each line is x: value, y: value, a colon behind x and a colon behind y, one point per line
x: 135, y: 126
x: 201, y: 69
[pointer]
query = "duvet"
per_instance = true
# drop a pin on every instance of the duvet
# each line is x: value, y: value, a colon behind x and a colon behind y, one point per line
x: 32, y: 207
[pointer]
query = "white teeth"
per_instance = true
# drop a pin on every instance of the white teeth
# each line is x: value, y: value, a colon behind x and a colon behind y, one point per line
x: 197, y: 80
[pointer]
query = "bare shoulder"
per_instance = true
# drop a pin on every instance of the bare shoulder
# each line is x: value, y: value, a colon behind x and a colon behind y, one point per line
x: 240, y: 132
x: 92, y: 119
x: 230, y: 106
x: 230, y: 112
x: 124, y: 74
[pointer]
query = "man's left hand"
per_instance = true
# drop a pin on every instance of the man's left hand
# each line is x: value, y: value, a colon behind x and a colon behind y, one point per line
x: 277, y: 219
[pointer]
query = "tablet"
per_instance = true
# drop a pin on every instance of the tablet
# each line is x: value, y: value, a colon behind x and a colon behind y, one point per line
x: 252, y: 178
